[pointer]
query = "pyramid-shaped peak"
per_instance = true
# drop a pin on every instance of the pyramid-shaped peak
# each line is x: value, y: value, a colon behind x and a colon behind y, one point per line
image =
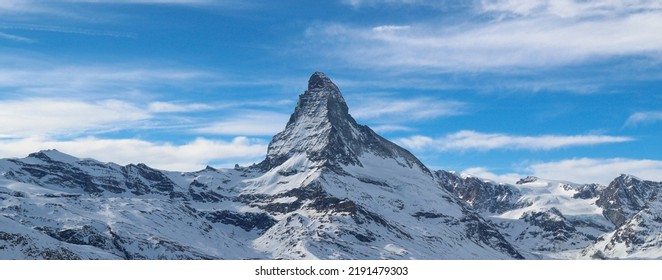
x: 321, y: 103
x: 320, y: 81
x: 322, y: 129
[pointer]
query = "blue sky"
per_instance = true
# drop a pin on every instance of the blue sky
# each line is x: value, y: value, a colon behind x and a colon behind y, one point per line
x: 501, y: 89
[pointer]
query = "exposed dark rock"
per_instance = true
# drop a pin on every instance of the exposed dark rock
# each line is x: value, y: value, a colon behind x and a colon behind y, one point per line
x: 482, y: 195
x: 625, y: 196
x: 552, y: 222
x: 528, y: 179
x: 247, y: 221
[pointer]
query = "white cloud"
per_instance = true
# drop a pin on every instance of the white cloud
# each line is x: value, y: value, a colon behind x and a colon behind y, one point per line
x: 472, y: 140
x: 253, y: 123
x: 52, y: 7
x: 15, y: 38
x: 379, y: 108
x: 603, y: 171
x: 47, y: 117
x: 42, y: 99
x: 61, y: 29
x: 561, y: 34
x: 28, y: 77
x: 359, y: 3
x: 171, y: 107
x: 578, y: 170
x: 568, y: 8
x: 419, y: 142
x: 390, y: 128
x: 389, y: 28
x: 9, y: 6
x: 426, y: 3
x: 180, y: 2
x: 644, y: 117
x: 484, y: 173
x: 190, y: 156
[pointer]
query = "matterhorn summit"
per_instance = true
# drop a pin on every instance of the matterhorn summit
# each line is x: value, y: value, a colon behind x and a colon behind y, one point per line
x: 322, y: 129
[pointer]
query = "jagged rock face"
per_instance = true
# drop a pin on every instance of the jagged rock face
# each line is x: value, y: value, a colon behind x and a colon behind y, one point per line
x: 636, y: 208
x: 528, y: 179
x: 481, y: 195
x: 322, y: 128
x: 640, y: 237
x: 625, y: 196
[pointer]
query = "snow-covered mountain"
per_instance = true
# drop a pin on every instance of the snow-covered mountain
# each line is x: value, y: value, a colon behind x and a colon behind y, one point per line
x: 328, y: 188
x: 561, y: 220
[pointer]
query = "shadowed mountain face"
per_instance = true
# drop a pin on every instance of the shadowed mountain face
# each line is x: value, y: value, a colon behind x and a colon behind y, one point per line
x: 328, y: 188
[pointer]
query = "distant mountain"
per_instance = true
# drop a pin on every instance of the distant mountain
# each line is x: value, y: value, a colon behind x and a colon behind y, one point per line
x: 561, y: 220
x: 328, y: 188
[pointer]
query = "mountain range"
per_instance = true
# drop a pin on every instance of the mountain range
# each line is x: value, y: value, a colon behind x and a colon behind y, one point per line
x: 329, y: 188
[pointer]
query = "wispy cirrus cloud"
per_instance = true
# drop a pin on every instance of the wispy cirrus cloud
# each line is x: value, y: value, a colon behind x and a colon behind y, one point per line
x: 49, y: 117
x: 386, y: 128
x: 359, y: 3
x: 643, y: 118
x: 16, y: 6
x: 93, y: 11
x: 15, y: 38
x: 247, y: 122
x: 567, y: 8
x: 174, y: 2
x: 190, y: 156
x: 178, y: 107
x: 472, y: 140
x: 400, y: 110
x: 517, y: 34
x: 30, y: 78
x: 63, y: 29
x: 426, y: 3
x: 36, y: 6
x: 50, y: 99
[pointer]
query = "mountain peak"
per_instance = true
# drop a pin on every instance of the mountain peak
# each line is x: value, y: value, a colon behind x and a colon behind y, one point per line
x: 528, y: 179
x: 628, y: 177
x: 322, y: 129
x: 322, y: 103
x: 320, y: 81
x: 52, y: 155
